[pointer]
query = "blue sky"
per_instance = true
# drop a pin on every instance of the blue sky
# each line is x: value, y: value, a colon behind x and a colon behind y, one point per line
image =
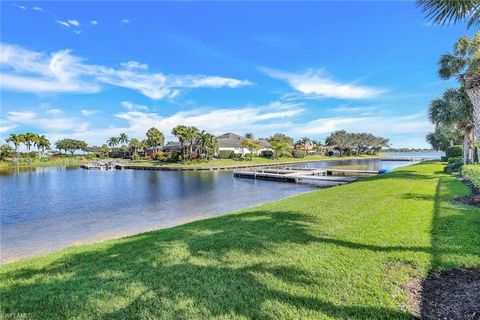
x: 91, y: 70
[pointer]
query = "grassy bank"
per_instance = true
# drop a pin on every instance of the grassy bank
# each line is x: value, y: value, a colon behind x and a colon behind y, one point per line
x: 236, y: 163
x: 343, y: 253
x: 43, y: 162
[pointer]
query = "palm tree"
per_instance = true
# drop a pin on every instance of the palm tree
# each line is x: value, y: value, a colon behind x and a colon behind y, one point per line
x: 134, y: 145
x: 464, y: 64
x: 191, y: 137
x: 112, y: 142
x: 445, y: 12
x: 180, y: 132
x: 43, y: 143
x: 30, y: 139
x: 154, y: 138
x: 16, y: 139
x: 123, y: 138
x: 454, y: 110
x: 304, y: 143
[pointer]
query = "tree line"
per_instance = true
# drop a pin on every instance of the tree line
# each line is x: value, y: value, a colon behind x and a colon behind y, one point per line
x: 199, y: 144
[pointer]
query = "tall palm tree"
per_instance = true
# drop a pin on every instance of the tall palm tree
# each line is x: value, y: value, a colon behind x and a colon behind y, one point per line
x: 30, y: 139
x: 123, y: 138
x: 112, y: 142
x: 191, y: 137
x: 134, y: 145
x: 445, y: 12
x: 464, y: 64
x: 454, y: 110
x: 16, y: 139
x: 154, y: 138
x: 43, y: 144
x: 180, y: 132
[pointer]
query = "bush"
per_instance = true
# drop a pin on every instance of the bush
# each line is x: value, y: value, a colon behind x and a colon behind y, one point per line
x: 226, y: 154
x: 454, y: 160
x: 454, y: 151
x: 299, y: 153
x: 238, y: 156
x: 454, y: 165
x: 135, y: 156
x: 471, y: 172
x: 267, y: 153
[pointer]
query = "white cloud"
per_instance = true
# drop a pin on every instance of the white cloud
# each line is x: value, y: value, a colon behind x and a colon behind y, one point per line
x: 125, y: 21
x: 94, y: 22
x: 381, y: 125
x: 314, y: 83
x: 63, y: 23
x: 74, y: 22
x: 77, y: 31
x: 131, y: 65
x: 87, y: 112
x: 51, y: 124
x: 260, y: 119
x: 37, y: 9
x: 54, y: 111
x: 30, y: 71
x: 22, y: 7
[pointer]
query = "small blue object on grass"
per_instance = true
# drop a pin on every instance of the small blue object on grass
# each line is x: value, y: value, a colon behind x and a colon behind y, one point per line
x: 384, y: 171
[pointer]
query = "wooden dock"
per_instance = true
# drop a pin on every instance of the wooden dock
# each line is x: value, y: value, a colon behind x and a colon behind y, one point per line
x: 325, y: 176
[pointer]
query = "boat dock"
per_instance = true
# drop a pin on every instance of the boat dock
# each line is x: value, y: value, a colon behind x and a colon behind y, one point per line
x: 100, y: 165
x: 326, y: 176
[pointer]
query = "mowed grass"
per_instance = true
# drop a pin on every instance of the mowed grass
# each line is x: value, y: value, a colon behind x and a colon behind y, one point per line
x: 243, y: 162
x: 338, y: 253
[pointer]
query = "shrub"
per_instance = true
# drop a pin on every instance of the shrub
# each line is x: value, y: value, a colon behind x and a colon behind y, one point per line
x: 299, y: 153
x: 454, y: 165
x: 237, y: 156
x: 471, y: 172
x: 173, y: 156
x: 226, y: 154
x: 135, y: 156
x: 454, y: 151
x: 454, y: 160
x: 267, y: 153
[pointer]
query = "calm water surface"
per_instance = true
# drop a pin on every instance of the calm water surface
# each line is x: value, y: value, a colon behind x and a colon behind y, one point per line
x: 45, y: 209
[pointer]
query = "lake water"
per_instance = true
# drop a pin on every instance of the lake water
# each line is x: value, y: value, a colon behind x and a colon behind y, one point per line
x: 45, y: 209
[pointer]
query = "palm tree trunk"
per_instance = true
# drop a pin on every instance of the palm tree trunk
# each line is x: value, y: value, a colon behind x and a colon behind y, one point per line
x: 473, y: 91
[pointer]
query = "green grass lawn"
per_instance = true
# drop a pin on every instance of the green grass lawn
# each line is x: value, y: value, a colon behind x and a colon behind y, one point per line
x: 338, y: 253
x: 244, y: 162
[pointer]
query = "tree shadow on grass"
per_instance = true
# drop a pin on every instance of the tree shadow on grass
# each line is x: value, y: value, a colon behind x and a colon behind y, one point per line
x: 179, y: 273
x: 452, y: 288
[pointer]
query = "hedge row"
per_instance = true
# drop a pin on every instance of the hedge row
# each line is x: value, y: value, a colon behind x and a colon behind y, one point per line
x: 472, y: 172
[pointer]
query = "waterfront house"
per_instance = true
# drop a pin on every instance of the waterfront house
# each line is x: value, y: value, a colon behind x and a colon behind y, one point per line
x: 231, y: 141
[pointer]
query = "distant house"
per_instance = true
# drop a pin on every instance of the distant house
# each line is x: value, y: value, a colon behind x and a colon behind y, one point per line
x: 231, y: 141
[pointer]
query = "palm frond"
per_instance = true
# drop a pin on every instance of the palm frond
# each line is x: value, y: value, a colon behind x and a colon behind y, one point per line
x: 446, y: 12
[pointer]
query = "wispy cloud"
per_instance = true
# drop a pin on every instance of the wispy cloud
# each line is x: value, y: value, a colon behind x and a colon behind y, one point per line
x: 74, y: 22
x: 313, y: 83
x: 39, y: 72
x: 137, y: 118
x: 50, y: 124
x: 126, y: 21
x: 382, y: 125
x: 63, y: 23
x: 37, y: 9
x: 94, y: 22
x: 88, y: 112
